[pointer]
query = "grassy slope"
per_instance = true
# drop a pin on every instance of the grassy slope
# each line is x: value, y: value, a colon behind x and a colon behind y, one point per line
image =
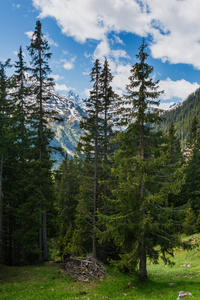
x: 46, y: 281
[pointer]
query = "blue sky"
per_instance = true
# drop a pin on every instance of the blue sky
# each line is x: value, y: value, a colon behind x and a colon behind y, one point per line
x: 79, y: 31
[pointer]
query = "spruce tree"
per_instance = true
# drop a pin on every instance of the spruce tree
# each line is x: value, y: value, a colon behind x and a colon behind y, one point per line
x: 108, y: 100
x: 41, y: 89
x: 5, y: 146
x: 141, y: 220
x: 24, y: 189
x: 90, y: 141
x: 67, y: 187
x: 192, y: 136
x: 96, y: 147
x: 190, y: 191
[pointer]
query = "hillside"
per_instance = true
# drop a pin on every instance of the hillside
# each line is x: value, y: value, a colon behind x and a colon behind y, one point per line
x: 182, y: 116
x: 67, y: 132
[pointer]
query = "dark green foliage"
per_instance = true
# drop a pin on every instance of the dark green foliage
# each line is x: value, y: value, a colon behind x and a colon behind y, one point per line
x: 90, y: 144
x: 182, y: 117
x: 120, y: 198
x: 67, y: 187
x: 7, y: 164
x: 41, y: 89
x: 97, y: 147
x: 26, y: 183
x: 190, y: 191
x: 142, y: 179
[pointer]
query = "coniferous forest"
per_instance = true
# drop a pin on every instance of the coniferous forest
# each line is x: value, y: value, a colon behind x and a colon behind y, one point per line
x: 128, y: 193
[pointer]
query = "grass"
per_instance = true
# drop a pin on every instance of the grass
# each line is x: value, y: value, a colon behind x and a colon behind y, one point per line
x: 46, y: 281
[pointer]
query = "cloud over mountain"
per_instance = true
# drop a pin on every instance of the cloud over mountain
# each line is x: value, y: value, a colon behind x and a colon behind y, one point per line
x: 174, y: 26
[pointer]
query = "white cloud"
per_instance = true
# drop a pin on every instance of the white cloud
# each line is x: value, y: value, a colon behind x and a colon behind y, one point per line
x: 103, y: 50
x: 56, y: 77
x: 29, y: 34
x: 121, y: 76
x: 87, y: 93
x: 61, y: 87
x: 50, y: 41
x: 16, y: 5
x: 89, y: 19
x: 176, y: 32
x: 165, y: 106
x: 120, y: 70
x: 174, y: 25
x: 87, y: 73
x: 87, y: 55
x: 68, y: 65
x: 177, y: 89
x: 117, y: 40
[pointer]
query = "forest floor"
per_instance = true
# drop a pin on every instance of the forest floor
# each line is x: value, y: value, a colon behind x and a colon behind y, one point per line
x: 49, y: 281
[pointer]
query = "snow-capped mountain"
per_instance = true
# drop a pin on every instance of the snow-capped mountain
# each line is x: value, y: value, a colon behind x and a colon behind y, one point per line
x: 67, y: 109
x: 67, y: 132
x: 174, y: 105
x: 66, y: 106
x: 75, y: 98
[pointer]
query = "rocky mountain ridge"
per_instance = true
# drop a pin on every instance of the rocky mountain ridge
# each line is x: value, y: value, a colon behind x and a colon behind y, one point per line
x: 67, y: 132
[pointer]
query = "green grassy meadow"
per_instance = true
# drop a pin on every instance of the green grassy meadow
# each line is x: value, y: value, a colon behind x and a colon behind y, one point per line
x: 47, y: 281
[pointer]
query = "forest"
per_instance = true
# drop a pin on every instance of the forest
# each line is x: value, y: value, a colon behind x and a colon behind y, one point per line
x: 126, y: 196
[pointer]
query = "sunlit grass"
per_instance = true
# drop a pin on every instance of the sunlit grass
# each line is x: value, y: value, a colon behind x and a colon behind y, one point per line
x: 47, y: 281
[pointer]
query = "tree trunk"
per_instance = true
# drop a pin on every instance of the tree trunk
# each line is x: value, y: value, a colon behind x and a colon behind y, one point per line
x: 45, y: 250
x: 40, y: 245
x: 143, y: 259
x: 94, y: 246
x: 43, y: 230
x: 1, y: 213
x: 94, y: 250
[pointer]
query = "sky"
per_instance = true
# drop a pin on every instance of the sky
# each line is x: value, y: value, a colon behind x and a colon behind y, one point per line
x: 80, y: 31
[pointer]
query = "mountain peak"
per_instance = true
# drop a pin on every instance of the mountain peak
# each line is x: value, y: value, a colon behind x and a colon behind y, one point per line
x: 71, y: 95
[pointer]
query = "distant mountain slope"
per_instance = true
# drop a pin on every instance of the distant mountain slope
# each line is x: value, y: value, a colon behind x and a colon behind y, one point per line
x: 67, y: 132
x: 182, y: 116
x: 70, y: 108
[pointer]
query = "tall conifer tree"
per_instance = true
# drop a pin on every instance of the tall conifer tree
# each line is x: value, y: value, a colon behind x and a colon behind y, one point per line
x: 42, y: 88
x: 67, y: 187
x: 90, y: 141
x: 5, y: 140
x: 141, y: 220
x: 96, y: 146
x: 25, y: 236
